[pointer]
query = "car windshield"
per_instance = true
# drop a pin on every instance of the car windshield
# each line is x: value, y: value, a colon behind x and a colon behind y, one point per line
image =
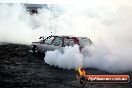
x: 48, y: 40
x: 85, y: 42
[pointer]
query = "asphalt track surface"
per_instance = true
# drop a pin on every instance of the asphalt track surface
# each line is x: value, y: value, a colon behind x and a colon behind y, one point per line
x: 21, y: 69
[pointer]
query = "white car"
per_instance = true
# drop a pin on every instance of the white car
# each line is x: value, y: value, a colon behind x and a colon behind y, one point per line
x: 58, y: 42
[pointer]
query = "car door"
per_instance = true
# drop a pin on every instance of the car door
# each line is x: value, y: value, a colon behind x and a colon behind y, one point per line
x: 68, y: 41
x: 46, y: 45
x: 57, y: 43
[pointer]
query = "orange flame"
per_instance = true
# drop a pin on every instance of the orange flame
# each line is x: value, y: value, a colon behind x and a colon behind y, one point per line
x: 81, y: 71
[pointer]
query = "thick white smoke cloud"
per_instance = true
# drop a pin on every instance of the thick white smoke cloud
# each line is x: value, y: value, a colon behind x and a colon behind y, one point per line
x: 18, y: 26
x: 12, y: 24
x: 69, y: 58
x: 107, y: 25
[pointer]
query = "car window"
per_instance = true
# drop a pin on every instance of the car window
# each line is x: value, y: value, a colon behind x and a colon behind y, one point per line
x: 49, y: 40
x: 68, y: 41
x: 72, y: 42
x: 84, y: 42
x: 58, y: 41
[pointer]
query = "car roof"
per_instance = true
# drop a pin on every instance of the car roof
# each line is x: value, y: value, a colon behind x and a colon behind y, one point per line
x: 67, y: 36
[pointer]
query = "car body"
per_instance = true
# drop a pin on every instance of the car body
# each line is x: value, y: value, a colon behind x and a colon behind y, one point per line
x: 59, y: 42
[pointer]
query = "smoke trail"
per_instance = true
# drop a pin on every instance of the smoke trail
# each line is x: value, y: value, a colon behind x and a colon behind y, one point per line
x: 108, y: 27
x: 68, y: 59
x: 18, y: 26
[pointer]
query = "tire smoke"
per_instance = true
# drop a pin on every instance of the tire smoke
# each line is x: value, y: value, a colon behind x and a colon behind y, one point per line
x: 108, y: 25
x: 18, y: 26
